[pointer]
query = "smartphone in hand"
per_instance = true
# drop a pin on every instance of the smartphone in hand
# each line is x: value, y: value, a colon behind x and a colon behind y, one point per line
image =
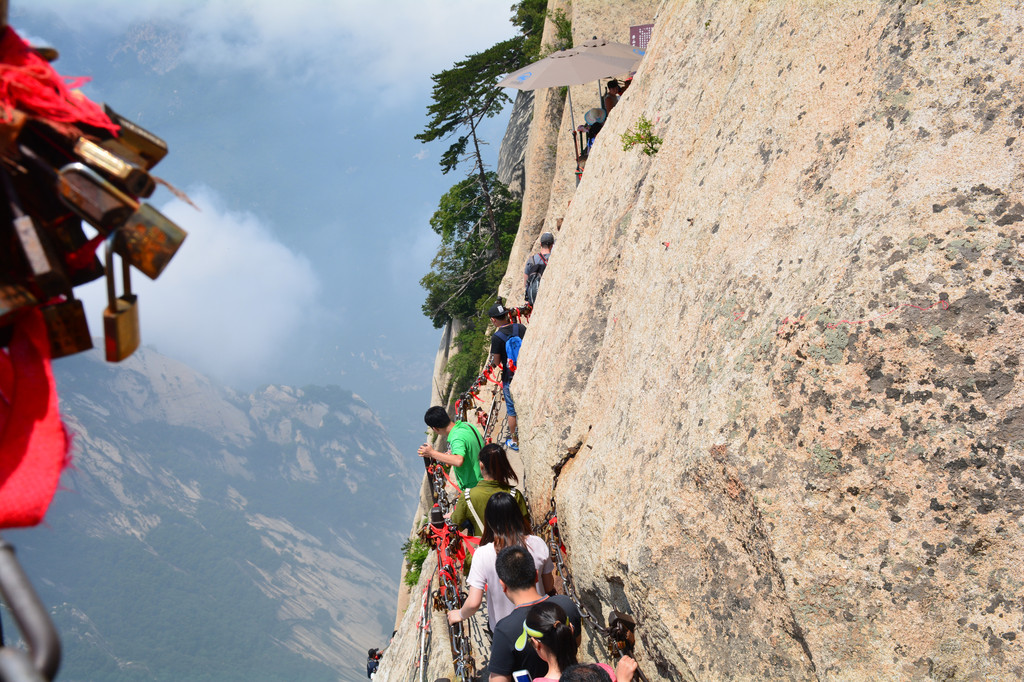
x: 521, y: 676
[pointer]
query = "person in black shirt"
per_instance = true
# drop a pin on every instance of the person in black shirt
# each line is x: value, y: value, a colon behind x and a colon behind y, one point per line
x: 518, y: 576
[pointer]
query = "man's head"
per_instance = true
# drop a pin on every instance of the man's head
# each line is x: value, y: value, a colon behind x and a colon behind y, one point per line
x: 437, y: 418
x: 614, y: 87
x: 515, y: 568
x: 547, y: 239
x: 584, y: 672
x: 498, y: 314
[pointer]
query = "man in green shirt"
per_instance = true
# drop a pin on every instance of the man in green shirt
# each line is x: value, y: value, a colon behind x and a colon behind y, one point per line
x: 464, y: 443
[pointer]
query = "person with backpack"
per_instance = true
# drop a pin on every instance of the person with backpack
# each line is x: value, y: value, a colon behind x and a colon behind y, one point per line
x: 497, y: 477
x: 372, y: 662
x: 535, y: 266
x: 505, y: 344
x: 464, y: 443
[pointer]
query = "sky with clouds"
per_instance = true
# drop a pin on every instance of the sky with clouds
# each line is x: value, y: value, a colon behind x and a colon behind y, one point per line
x: 290, y: 125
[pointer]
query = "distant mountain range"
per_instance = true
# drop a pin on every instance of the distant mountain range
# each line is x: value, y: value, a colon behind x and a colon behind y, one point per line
x: 204, y: 534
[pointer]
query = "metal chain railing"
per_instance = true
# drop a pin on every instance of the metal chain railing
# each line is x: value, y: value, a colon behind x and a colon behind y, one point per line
x: 445, y: 538
x: 620, y: 635
x: 549, y: 531
x: 423, y: 624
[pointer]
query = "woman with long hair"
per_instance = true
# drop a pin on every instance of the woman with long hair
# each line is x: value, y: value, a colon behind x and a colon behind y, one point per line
x: 498, y: 477
x: 503, y: 527
x: 547, y: 629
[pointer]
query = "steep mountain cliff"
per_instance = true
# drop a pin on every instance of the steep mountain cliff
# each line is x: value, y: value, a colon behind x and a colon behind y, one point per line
x: 780, y: 358
x: 205, y: 534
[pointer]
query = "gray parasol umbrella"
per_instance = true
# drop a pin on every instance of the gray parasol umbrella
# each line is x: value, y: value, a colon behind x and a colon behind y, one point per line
x: 584, y: 63
x: 590, y: 61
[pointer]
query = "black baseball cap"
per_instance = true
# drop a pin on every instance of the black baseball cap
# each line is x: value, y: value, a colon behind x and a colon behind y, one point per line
x: 498, y: 311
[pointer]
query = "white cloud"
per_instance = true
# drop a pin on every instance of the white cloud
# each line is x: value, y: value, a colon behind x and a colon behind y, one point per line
x: 353, y: 45
x: 421, y: 154
x: 230, y: 303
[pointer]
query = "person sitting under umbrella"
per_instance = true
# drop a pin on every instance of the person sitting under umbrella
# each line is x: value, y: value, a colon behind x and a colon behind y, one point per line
x: 611, y: 98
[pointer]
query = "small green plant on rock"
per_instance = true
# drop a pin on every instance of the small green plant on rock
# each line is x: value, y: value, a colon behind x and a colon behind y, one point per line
x: 642, y: 134
x: 416, y: 552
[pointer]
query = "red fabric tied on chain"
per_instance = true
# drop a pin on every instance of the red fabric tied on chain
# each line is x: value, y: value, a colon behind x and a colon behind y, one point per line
x: 29, y: 83
x: 471, y: 542
x: 34, y: 444
x: 447, y: 564
x: 445, y: 474
x: 489, y: 375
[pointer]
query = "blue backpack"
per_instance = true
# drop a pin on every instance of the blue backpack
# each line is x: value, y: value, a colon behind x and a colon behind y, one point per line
x: 512, y: 345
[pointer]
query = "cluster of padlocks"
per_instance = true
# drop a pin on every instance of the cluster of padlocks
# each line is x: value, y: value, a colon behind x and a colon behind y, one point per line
x: 56, y: 172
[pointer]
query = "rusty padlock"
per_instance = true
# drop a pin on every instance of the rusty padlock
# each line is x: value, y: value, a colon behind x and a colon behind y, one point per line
x: 67, y: 327
x: 97, y: 201
x: 622, y: 632
x: 37, y: 191
x: 14, y: 297
x: 121, y: 318
x: 148, y: 238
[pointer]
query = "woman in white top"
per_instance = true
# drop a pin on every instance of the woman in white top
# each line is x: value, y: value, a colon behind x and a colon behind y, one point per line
x: 504, y: 526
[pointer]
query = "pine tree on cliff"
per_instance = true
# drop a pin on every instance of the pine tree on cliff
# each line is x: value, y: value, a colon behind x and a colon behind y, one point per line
x: 463, y: 96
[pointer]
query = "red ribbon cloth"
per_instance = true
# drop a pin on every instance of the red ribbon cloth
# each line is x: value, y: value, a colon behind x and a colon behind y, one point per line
x: 448, y: 478
x: 34, y: 444
x: 29, y: 83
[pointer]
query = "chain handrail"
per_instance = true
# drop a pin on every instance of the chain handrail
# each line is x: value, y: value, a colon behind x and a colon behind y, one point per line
x: 447, y: 541
x: 554, y: 539
x: 620, y: 636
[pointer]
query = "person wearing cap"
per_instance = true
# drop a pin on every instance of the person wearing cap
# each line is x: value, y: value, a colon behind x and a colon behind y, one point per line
x: 517, y: 575
x: 535, y: 266
x: 504, y: 329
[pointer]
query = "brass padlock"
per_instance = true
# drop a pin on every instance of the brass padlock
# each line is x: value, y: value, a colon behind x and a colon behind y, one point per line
x: 67, y: 327
x: 148, y: 238
x: 121, y: 171
x: 144, y: 143
x: 121, y: 318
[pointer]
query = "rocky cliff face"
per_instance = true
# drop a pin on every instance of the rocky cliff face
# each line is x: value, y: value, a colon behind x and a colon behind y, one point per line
x: 789, y: 344
x: 780, y: 358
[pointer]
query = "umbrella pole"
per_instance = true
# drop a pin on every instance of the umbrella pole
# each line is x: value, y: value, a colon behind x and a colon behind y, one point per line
x: 572, y: 116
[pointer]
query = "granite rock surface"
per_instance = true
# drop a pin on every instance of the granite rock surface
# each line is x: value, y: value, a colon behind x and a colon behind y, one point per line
x: 787, y: 346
